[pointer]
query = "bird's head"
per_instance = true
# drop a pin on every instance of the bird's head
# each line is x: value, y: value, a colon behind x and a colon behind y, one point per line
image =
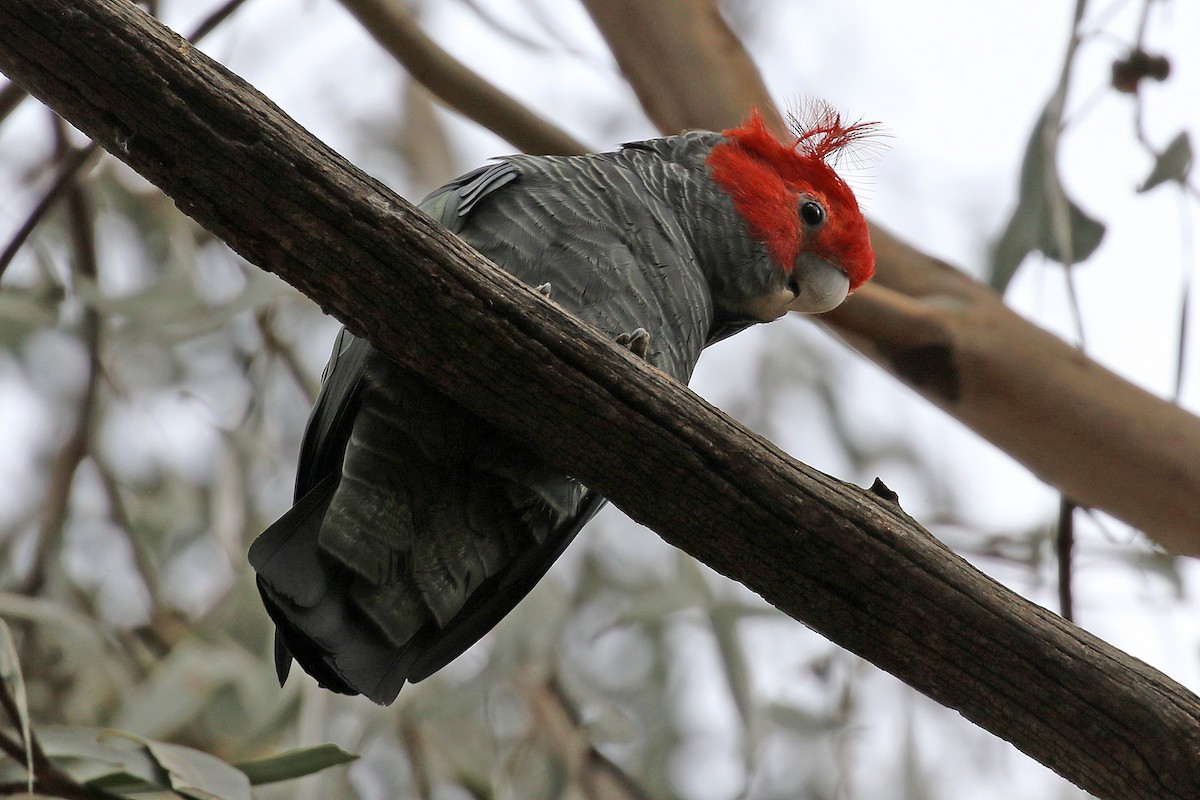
x: 798, y: 208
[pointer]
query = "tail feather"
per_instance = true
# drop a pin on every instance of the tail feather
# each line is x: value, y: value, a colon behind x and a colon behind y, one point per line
x: 306, y: 595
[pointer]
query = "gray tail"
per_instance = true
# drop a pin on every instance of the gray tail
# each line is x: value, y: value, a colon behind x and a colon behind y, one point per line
x: 307, y: 597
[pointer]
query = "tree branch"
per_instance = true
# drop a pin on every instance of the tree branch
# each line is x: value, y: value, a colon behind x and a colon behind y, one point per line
x: 78, y: 443
x: 448, y: 79
x: 1102, y: 441
x: 558, y: 723
x: 847, y: 563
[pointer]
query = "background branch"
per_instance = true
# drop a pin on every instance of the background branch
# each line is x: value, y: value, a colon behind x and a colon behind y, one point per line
x: 847, y: 563
x: 394, y: 28
x: 78, y: 440
x: 1102, y: 441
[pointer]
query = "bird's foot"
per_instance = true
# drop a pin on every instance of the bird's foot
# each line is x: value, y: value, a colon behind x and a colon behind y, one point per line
x: 543, y: 290
x: 638, y: 342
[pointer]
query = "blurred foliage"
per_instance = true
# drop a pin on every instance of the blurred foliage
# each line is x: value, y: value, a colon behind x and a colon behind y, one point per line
x: 132, y: 607
x: 1045, y: 219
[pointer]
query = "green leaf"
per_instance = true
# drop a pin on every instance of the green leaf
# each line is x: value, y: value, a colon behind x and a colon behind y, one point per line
x: 1031, y: 226
x: 1173, y: 164
x: 124, y: 764
x: 294, y: 763
x: 10, y: 673
x: 199, y: 775
x: 798, y: 720
x: 24, y: 309
x: 103, y: 759
x: 184, y: 684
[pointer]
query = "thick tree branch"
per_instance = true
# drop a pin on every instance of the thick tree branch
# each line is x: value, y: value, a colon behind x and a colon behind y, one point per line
x: 847, y: 563
x: 1102, y: 441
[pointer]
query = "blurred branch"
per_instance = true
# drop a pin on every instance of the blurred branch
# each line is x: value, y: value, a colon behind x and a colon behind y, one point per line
x: 70, y: 167
x: 685, y: 64
x: 414, y: 747
x: 286, y: 354
x: 209, y: 23
x: 558, y: 723
x: 56, y: 505
x: 142, y: 558
x: 1102, y: 441
x: 394, y: 28
x: 68, y: 170
x: 10, y: 97
x: 849, y: 564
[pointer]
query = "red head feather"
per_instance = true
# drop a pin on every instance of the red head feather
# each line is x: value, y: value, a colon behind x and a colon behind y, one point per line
x: 767, y: 177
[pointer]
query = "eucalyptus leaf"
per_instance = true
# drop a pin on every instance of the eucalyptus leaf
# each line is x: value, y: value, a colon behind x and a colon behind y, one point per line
x: 183, y: 684
x: 25, y: 310
x: 1173, y: 164
x: 123, y: 764
x: 1031, y: 226
x: 294, y: 763
x: 10, y: 673
x: 199, y: 775
x: 105, y: 759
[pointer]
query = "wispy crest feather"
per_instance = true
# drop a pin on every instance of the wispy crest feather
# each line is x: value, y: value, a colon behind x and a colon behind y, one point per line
x: 820, y: 132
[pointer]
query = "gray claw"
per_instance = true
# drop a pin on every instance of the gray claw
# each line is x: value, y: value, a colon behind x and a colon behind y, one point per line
x: 543, y: 290
x: 638, y: 342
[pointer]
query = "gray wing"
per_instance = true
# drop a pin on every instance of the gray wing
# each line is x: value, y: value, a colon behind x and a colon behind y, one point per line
x: 417, y: 525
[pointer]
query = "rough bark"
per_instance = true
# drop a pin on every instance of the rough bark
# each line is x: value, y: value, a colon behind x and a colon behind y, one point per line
x: 845, y: 562
x: 1102, y: 441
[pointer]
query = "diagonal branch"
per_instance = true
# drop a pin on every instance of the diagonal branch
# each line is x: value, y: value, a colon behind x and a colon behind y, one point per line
x: 393, y: 26
x: 847, y: 563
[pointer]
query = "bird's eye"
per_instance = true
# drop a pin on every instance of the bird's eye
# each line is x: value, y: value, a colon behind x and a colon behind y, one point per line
x: 812, y: 212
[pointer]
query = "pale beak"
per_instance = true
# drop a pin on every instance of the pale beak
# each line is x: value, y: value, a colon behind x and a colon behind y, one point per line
x: 818, y: 285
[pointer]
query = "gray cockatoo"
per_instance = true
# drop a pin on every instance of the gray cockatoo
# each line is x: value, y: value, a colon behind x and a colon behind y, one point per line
x: 417, y: 526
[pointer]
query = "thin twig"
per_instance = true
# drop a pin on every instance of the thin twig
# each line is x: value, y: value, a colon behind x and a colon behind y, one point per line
x: 119, y: 514
x: 286, y: 353
x: 1185, y: 304
x: 68, y: 169
x: 414, y: 748
x: 559, y: 723
x: 1064, y: 543
x: 214, y: 19
x: 78, y: 442
x: 1052, y: 127
x: 70, y: 166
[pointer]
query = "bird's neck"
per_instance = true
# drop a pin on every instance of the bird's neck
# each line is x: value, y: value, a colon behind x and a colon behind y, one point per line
x: 675, y: 170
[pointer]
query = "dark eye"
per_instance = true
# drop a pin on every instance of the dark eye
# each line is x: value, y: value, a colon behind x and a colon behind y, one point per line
x: 812, y: 212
